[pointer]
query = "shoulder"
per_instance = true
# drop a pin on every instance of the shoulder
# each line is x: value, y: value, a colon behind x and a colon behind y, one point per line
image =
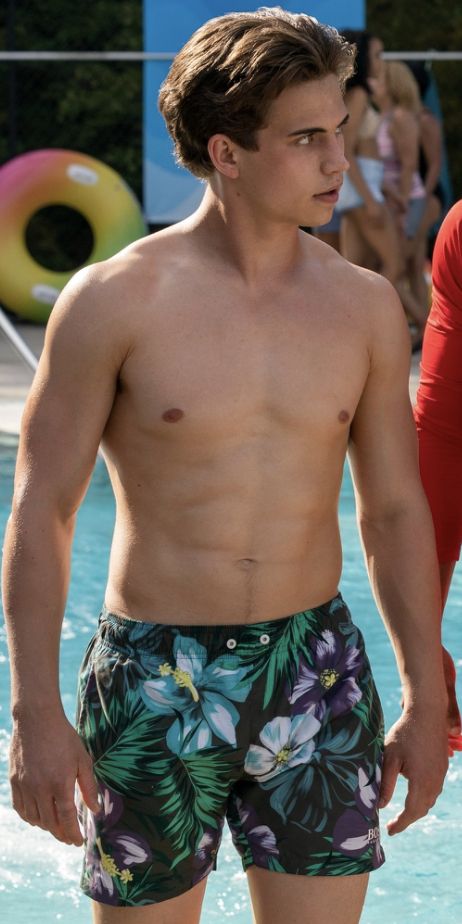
x: 107, y: 296
x: 377, y: 295
x: 447, y: 256
x: 363, y: 285
x: 383, y: 317
x: 366, y: 295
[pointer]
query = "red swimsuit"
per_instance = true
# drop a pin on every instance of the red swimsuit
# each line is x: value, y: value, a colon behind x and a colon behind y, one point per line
x: 438, y: 412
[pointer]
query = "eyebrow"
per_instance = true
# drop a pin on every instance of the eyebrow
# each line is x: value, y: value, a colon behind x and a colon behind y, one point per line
x: 311, y: 131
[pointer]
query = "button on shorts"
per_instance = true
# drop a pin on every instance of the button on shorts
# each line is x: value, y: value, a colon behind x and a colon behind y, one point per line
x: 274, y: 726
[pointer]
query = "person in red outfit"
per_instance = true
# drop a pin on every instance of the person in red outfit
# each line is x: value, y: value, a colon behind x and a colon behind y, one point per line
x: 438, y: 417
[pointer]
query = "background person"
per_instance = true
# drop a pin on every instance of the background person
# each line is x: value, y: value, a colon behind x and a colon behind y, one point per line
x: 438, y: 415
x: 430, y: 163
x: 398, y: 139
x: 368, y: 235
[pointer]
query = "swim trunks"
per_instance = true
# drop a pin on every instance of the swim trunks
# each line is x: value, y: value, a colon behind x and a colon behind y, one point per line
x: 276, y: 726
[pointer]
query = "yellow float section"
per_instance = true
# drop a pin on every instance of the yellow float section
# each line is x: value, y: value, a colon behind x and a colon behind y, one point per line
x: 58, y: 177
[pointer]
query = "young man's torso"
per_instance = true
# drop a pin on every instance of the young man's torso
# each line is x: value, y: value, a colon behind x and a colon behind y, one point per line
x: 227, y: 437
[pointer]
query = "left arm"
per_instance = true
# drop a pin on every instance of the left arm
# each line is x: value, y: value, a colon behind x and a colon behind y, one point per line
x: 399, y: 545
x: 405, y: 133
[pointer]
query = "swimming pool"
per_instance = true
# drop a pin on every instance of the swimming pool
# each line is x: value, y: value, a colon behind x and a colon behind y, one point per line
x: 39, y: 876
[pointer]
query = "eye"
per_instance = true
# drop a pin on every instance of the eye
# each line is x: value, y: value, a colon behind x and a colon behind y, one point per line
x: 305, y: 139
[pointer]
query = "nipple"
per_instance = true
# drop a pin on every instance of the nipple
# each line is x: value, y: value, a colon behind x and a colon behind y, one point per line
x: 172, y: 415
x: 343, y: 416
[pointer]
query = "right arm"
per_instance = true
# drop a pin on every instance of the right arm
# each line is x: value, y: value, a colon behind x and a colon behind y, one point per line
x: 438, y: 415
x: 64, y: 419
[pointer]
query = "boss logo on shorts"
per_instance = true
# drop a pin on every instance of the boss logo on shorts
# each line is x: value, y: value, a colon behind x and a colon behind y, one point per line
x: 373, y: 835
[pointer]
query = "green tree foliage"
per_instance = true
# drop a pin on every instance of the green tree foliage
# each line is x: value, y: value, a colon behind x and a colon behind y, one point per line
x: 96, y: 107
x: 428, y: 25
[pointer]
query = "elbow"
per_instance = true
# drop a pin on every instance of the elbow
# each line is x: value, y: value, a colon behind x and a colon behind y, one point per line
x: 382, y: 519
x: 31, y: 507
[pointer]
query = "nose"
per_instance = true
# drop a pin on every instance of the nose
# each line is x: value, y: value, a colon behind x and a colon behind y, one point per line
x: 334, y: 161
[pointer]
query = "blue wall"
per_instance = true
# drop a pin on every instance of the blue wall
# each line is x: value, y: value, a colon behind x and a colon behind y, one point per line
x: 171, y: 193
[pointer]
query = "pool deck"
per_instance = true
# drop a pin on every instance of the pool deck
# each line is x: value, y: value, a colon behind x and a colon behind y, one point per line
x: 16, y: 377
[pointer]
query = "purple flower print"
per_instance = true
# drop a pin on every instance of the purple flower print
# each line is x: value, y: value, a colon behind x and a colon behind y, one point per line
x: 206, y: 851
x: 357, y: 829
x: 110, y: 851
x: 331, y: 681
x: 260, y: 838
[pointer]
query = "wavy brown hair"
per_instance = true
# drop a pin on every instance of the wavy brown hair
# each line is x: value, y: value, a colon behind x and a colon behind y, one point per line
x: 228, y: 73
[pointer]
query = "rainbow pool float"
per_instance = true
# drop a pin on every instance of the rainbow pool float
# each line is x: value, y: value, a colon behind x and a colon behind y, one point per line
x: 58, y: 177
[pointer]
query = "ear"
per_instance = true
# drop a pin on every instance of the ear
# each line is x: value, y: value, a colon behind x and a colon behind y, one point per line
x: 223, y: 154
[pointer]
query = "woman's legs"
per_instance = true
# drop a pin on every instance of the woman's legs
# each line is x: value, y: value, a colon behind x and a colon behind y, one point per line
x: 358, y: 238
x: 418, y: 255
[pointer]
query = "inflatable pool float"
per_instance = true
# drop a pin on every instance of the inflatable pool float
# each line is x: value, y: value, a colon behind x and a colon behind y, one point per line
x: 58, y: 177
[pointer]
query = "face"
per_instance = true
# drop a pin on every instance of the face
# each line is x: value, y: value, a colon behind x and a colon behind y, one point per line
x: 295, y: 175
x: 375, y: 58
x: 379, y: 89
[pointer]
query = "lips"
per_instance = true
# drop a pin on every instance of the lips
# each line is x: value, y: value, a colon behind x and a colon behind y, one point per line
x: 330, y: 195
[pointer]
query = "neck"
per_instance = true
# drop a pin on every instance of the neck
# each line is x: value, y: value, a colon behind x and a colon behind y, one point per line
x: 259, y: 248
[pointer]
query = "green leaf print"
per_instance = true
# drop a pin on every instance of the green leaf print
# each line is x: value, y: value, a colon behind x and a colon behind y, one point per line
x: 131, y: 757
x: 193, y: 789
x: 124, y: 740
x: 333, y: 863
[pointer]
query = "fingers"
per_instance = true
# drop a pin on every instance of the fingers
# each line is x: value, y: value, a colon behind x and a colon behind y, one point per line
x: 53, y: 811
x: 453, y: 714
x: 24, y: 805
x: 66, y: 817
x: 88, y: 785
x: 454, y: 722
x: 454, y: 744
x: 418, y: 802
x: 390, y: 770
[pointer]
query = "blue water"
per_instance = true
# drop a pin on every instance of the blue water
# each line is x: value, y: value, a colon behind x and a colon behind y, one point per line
x: 39, y: 876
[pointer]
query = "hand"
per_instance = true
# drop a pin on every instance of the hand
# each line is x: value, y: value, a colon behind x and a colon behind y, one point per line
x: 46, y: 758
x: 375, y: 212
x: 417, y: 747
x: 454, y: 726
x: 398, y: 201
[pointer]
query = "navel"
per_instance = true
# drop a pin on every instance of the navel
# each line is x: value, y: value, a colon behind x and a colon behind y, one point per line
x: 173, y: 414
x: 343, y: 416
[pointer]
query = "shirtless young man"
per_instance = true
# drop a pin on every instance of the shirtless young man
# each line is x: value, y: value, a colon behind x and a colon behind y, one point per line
x: 227, y: 364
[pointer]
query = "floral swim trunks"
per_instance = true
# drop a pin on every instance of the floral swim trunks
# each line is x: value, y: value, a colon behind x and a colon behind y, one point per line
x: 276, y: 726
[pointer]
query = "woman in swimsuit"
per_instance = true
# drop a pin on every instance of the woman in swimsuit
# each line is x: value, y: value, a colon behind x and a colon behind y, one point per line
x: 398, y: 140
x: 368, y: 236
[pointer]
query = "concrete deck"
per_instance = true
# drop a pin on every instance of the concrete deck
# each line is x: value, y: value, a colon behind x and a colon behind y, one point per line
x: 16, y: 377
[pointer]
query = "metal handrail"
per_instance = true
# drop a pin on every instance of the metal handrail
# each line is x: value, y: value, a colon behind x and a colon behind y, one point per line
x: 429, y: 55
x: 17, y: 342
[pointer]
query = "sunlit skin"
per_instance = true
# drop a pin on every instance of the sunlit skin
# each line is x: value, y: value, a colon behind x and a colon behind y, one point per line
x: 227, y: 364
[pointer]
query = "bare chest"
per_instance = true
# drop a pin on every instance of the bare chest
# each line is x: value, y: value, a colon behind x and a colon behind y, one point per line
x: 209, y: 372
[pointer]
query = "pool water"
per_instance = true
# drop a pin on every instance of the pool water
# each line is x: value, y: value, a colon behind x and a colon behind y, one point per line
x: 39, y: 876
